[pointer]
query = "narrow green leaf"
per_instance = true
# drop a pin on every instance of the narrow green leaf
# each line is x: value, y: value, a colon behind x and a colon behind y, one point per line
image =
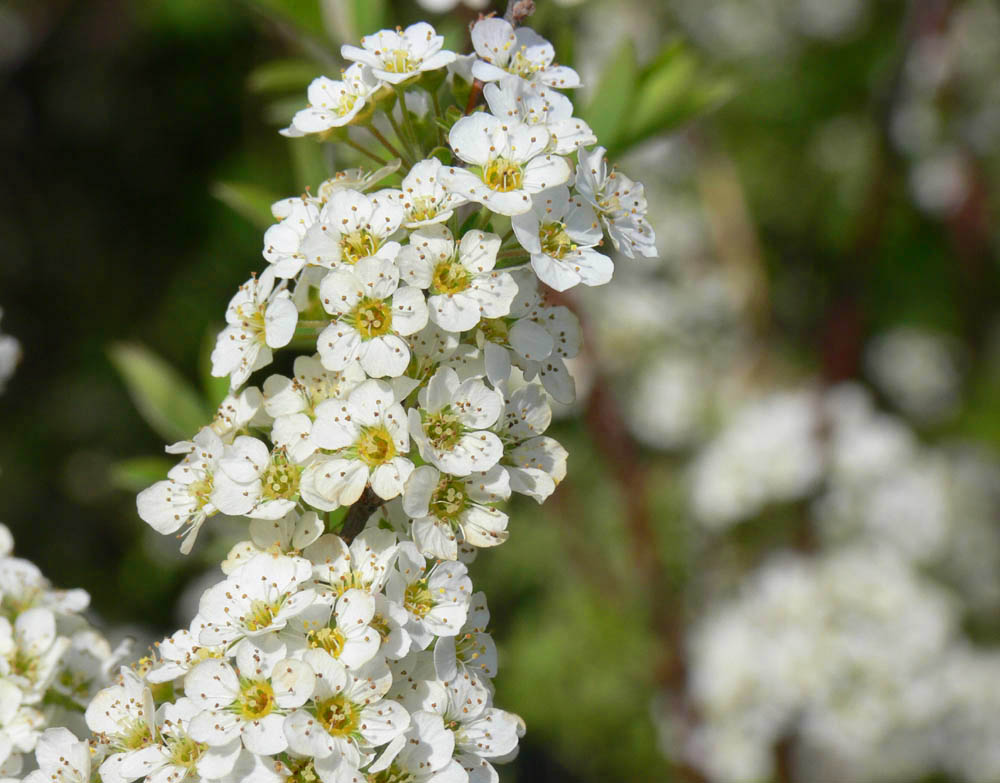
x: 607, y: 109
x: 216, y: 389
x: 304, y: 14
x: 308, y: 163
x: 291, y: 75
x: 134, y: 475
x: 249, y: 201
x: 368, y: 16
x: 163, y: 398
x: 672, y: 90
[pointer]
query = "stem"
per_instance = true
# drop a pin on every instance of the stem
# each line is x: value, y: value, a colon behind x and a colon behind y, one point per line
x: 315, y: 325
x: 517, y: 253
x: 512, y: 262
x: 408, y: 121
x: 358, y: 514
x: 384, y: 141
x: 402, y: 138
x: 438, y: 114
x: 364, y: 151
x: 507, y: 237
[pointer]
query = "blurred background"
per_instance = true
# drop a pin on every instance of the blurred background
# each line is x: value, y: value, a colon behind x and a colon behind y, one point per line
x: 776, y: 556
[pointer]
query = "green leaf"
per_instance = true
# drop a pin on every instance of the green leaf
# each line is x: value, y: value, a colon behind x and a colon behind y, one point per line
x: 291, y: 75
x: 252, y: 202
x: 306, y: 15
x: 215, y: 388
x: 606, y: 112
x: 164, y: 399
x: 134, y: 475
x: 308, y: 163
x: 368, y: 16
x: 671, y: 90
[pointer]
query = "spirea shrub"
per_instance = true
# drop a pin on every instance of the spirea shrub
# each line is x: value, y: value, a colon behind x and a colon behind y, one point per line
x: 346, y: 641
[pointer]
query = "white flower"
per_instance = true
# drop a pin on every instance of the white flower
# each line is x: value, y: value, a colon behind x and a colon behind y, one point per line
x: 450, y: 428
x: 369, y: 438
x: 436, y: 598
x: 352, y: 226
x: 355, y: 179
x: 395, y: 56
x: 505, y: 51
x: 30, y: 652
x: 288, y: 535
x: 62, y: 758
x: 364, y: 565
x: 472, y: 651
x: 462, y: 283
x: 347, y: 715
x: 619, y: 201
x: 188, y: 495
x: 260, y: 318
x: 178, y: 756
x: 20, y: 726
x: 423, y: 196
x: 422, y: 755
x: 236, y: 412
x: 510, y: 163
x: 531, y: 103
x: 341, y: 626
x: 440, y: 6
x: 252, y: 705
x: 560, y: 233
x: 445, y: 507
x: 333, y: 103
x: 124, y: 718
x: 283, y: 241
x: 769, y: 452
x: 481, y: 731
x: 250, y: 473
x: 373, y: 313
x: 535, y: 462
x: 10, y: 355
x: 256, y: 599
x: 536, y: 337
x: 180, y: 652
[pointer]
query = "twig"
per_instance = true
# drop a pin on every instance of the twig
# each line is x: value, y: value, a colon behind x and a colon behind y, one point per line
x: 359, y: 513
x: 519, y: 10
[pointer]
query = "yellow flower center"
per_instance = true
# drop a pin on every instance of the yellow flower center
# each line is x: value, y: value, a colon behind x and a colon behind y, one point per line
x: 358, y: 244
x: 201, y: 490
x: 522, y: 66
x: 257, y: 700
x: 372, y: 318
x: 417, y: 598
x: 261, y: 615
x: 381, y: 625
x: 281, y: 479
x: 450, y: 277
x: 375, y: 446
x: 556, y: 241
x: 443, y: 429
x: 468, y: 648
x: 494, y: 330
x: 449, y: 499
x: 184, y: 751
x: 329, y: 639
x: 391, y: 775
x: 398, y: 61
x: 339, y: 716
x: 424, y: 208
x: 503, y: 175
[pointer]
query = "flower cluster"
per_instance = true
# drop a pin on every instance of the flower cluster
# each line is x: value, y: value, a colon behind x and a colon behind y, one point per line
x: 345, y: 642
x: 52, y: 662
